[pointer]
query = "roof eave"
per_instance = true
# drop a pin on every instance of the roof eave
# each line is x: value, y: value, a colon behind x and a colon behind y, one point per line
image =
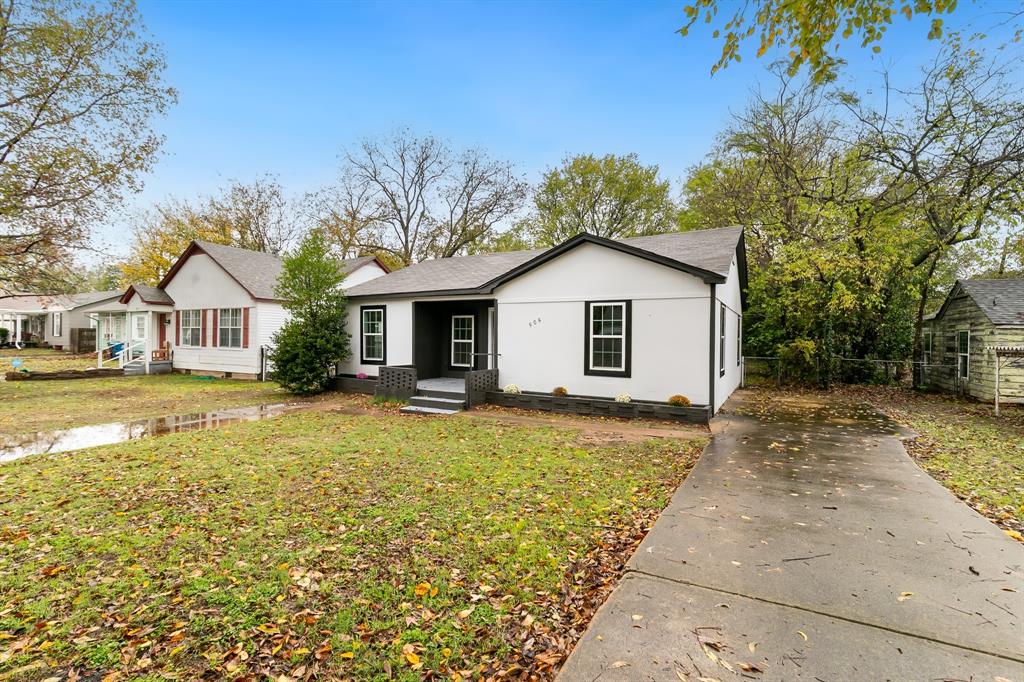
x: 191, y: 249
x: 707, y: 276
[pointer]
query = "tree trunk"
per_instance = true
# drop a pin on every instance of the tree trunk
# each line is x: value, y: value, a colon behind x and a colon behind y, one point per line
x: 917, y: 357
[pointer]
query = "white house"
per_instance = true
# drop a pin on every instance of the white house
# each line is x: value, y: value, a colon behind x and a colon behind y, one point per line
x: 214, y: 312
x: 48, y: 320
x: 651, y: 317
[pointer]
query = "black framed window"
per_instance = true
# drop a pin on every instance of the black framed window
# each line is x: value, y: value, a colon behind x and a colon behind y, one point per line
x: 372, y: 334
x: 608, y: 338
x: 721, y: 339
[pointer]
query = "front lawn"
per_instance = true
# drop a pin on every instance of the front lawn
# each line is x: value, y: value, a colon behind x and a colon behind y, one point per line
x: 43, y: 360
x: 29, y: 406
x: 319, y: 543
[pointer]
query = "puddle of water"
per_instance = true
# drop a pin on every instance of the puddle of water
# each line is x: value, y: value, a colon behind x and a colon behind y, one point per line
x: 62, y: 440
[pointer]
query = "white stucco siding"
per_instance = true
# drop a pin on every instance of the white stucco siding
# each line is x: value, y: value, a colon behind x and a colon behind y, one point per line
x: 541, y: 326
x: 397, y: 331
x: 729, y: 295
x: 363, y: 274
x: 202, y: 284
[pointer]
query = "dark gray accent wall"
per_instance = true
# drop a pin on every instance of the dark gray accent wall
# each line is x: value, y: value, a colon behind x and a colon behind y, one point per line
x: 432, y: 336
x: 712, y: 345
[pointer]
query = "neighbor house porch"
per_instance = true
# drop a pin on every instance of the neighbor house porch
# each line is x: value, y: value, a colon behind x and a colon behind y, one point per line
x: 24, y: 328
x: 134, y: 340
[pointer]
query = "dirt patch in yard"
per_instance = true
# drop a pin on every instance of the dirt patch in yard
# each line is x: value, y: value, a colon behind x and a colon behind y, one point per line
x: 594, y: 430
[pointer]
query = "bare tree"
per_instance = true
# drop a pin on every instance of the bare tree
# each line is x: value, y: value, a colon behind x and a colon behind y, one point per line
x: 256, y: 214
x: 477, y: 194
x: 79, y: 88
x: 409, y: 198
x: 344, y: 212
x: 400, y: 173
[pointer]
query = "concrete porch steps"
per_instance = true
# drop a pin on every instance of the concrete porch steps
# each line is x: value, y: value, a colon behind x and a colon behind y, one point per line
x: 416, y: 409
x: 437, y: 396
x: 444, y: 403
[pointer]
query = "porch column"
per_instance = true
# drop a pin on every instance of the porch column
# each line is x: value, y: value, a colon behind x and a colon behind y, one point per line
x: 17, y: 332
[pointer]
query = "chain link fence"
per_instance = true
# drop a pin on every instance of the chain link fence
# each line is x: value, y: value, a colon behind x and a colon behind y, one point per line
x: 771, y: 370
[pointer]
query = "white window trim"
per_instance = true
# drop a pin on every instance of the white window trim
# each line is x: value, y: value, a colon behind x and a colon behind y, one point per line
x: 966, y: 376
x: 221, y: 326
x: 57, y: 328
x: 366, y: 355
x: 622, y: 337
x: 927, y: 345
x: 471, y: 340
x: 199, y: 327
x: 136, y: 317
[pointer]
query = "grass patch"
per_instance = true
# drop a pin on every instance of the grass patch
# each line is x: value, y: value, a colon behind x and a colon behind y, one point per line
x: 357, y: 547
x: 44, y: 360
x: 29, y: 406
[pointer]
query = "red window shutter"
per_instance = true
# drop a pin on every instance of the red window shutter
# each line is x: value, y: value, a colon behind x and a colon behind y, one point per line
x: 202, y: 327
x: 177, y: 327
x: 245, y: 327
x: 213, y: 337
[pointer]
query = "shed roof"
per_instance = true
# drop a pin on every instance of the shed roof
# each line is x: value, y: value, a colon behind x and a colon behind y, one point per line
x: 704, y: 252
x: 1002, y: 300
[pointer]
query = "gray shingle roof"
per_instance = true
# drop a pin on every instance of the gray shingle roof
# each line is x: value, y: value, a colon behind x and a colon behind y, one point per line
x: 152, y: 294
x: 350, y: 265
x: 257, y: 271
x: 711, y: 250
x: 41, y: 302
x: 88, y: 297
x: 445, y: 274
x: 1002, y: 300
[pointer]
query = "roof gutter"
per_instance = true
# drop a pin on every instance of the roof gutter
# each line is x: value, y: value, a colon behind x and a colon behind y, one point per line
x: 487, y: 288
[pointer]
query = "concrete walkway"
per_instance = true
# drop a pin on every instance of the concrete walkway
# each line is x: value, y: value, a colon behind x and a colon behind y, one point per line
x: 807, y: 545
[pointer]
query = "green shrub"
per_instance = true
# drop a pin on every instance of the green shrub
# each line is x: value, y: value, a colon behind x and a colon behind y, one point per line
x: 314, y: 338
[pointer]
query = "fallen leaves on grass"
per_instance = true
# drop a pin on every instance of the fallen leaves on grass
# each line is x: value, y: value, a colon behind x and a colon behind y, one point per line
x: 362, y: 545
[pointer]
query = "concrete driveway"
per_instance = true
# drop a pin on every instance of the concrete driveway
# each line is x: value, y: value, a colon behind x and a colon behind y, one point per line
x: 807, y: 545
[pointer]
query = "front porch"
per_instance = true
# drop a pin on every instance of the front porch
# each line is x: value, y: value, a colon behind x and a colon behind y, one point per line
x: 24, y: 328
x: 451, y: 338
x: 135, y: 341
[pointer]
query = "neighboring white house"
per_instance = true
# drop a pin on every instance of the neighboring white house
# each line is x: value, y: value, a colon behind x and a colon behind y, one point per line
x: 214, y: 312
x: 651, y: 317
x: 48, y: 320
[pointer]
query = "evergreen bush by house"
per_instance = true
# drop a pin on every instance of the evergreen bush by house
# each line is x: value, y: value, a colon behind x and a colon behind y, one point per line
x: 314, y: 338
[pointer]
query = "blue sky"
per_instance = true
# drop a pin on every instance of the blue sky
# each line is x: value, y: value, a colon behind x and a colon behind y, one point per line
x: 282, y: 87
